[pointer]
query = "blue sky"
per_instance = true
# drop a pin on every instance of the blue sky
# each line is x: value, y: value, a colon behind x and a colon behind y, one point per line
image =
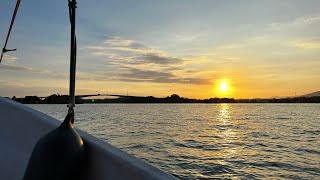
x: 262, y: 48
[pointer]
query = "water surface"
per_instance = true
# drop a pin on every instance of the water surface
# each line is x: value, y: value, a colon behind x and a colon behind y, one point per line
x: 205, y: 141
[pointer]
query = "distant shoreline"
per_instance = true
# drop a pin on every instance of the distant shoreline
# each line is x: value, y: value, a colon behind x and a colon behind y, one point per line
x: 173, y: 99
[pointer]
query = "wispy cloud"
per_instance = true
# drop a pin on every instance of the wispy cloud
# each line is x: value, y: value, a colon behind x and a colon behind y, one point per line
x: 2, y: 83
x: 307, y: 44
x: 298, y: 22
x: 117, y: 43
x: 117, y: 50
x: 42, y: 72
x: 14, y: 68
x: 8, y: 59
x: 138, y: 75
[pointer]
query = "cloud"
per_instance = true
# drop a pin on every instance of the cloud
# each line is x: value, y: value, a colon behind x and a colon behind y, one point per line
x: 296, y: 23
x: 14, y: 68
x: 9, y: 59
x: 145, y: 74
x: 307, y: 20
x: 129, y: 52
x: 41, y: 72
x: 158, y: 59
x: 307, y: 44
x: 138, y: 75
x: 120, y: 44
x: 2, y: 83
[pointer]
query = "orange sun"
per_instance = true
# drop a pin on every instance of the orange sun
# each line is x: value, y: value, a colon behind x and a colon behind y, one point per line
x: 224, y: 87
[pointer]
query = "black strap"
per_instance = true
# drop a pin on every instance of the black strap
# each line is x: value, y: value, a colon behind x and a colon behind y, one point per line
x: 73, y: 54
x: 7, y: 50
x: 4, y: 50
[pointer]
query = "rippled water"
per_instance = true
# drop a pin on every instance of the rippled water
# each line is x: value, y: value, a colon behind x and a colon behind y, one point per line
x: 202, y: 141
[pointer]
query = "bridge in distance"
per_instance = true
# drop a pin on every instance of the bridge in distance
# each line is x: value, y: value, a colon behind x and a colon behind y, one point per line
x: 113, y: 95
x: 94, y: 95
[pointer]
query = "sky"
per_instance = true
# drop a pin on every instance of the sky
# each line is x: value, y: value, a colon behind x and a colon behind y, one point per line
x: 265, y: 48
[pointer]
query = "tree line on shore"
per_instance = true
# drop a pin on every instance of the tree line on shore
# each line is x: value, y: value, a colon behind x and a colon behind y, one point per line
x: 174, y: 98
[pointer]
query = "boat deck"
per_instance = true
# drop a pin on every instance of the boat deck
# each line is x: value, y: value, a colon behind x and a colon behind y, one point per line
x: 21, y: 127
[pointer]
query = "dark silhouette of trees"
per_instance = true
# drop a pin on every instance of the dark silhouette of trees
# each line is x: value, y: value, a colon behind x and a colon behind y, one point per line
x: 31, y: 100
x: 56, y: 99
x: 174, y: 98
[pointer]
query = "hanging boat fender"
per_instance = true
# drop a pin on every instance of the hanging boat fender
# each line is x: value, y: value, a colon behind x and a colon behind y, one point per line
x: 60, y: 154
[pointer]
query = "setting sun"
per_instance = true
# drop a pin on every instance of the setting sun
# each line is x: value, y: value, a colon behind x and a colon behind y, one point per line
x: 224, y: 86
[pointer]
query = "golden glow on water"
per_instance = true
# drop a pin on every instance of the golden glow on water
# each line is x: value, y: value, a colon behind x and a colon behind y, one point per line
x: 227, y: 134
x: 224, y: 112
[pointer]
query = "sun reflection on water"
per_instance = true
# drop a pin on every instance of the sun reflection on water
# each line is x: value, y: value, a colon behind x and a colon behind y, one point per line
x: 231, y: 137
x: 226, y: 131
x: 224, y: 112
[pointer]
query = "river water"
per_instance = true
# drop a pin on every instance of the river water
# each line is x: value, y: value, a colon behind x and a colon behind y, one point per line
x: 207, y: 141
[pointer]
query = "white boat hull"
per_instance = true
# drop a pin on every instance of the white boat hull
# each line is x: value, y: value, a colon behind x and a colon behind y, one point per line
x: 21, y: 127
